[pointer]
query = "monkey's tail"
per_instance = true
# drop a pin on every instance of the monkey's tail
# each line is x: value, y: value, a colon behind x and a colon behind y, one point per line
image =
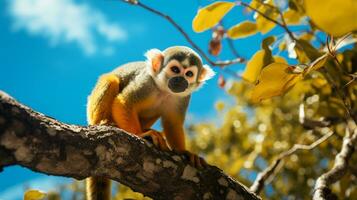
x: 98, y: 188
x: 99, y: 110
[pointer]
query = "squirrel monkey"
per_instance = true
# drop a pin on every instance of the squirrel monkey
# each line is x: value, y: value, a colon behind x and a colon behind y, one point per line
x: 135, y: 95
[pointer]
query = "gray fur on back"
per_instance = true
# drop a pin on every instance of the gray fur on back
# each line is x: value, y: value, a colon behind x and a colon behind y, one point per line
x: 135, y: 80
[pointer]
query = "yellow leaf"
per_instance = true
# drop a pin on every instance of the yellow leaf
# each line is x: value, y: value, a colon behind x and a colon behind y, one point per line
x: 282, y: 45
x: 279, y: 59
x: 318, y: 63
x: 306, y: 36
x: 210, y: 15
x: 305, y: 51
x: 219, y: 105
x: 336, y: 17
x: 254, y: 66
x: 274, y: 80
x: 264, y: 25
x: 243, y: 29
x: 34, y: 195
x: 291, y: 17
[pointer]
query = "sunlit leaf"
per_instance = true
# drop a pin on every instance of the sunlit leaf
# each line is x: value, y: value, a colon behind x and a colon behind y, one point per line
x: 264, y: 25
x: 318, y: 63
x: 279, y: 59
x: 254, y: 66
x: 219, y: 105
x: 34, y: 195
x: 274, y: 80
x: 282, y: 45
x: 305, y: 51
x: 335, y: 17
x: 291, y: 17
x: 307, y: 36
x: 209, y: 16
x: 243, y: 29
x: 267, y: 42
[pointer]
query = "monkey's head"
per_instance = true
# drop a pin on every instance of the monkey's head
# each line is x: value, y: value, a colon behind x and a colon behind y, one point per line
x: 178, y: 69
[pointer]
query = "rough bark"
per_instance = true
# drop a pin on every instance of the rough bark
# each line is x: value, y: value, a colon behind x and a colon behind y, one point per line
x: 340, y: 167
x: 45, y: 145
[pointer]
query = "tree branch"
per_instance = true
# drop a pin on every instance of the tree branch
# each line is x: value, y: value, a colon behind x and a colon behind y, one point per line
x: 45, y: 145
x: 340, y: 167
x: 282, y: 25
x: 271, y: 171
x: 187, y: 37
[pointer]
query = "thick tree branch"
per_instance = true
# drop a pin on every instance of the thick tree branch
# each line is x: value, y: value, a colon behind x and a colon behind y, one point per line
x: 271, y: 171
x: 45, y: 145
x: 340, y: 167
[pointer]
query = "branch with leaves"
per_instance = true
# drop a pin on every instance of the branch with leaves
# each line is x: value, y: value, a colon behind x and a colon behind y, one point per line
x: 45, y: 145
x: 187, y: 37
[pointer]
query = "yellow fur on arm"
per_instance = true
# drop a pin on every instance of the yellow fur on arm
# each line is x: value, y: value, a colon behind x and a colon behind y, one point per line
x: 174, y: 132
x: 101, y: 99
x: 124, y: 117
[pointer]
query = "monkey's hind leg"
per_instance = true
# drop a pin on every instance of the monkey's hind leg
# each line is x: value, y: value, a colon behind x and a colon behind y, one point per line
x: 99, y: 112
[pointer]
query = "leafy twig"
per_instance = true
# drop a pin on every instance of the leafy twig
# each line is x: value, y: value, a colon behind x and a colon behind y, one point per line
x: 339, y: 94
x: 282, y: 25
x: 187, y: 37
x: 271, y: 171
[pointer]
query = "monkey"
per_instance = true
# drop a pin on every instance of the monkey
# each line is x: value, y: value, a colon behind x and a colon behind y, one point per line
x: 135, y: 95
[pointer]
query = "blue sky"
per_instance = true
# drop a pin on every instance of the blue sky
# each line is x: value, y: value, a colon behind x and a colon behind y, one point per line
x: 52, y: 52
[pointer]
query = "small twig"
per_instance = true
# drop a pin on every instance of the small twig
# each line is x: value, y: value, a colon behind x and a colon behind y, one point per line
x: 271, y: 171
x: 233, y: 49
x: 339, y: 94
x: 187, y: 37
x: 322, y: 190
x: 282, y: 25
x: 353, y: 78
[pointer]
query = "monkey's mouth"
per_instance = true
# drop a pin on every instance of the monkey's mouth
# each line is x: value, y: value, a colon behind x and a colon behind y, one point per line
x: 178, y: 84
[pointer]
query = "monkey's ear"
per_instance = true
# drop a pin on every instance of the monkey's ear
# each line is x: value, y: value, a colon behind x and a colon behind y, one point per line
x: 206, y: 73
x: 154, y: 58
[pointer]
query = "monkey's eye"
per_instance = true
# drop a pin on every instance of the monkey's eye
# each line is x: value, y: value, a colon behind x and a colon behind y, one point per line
x: 189, y: 74
x: 175, y: 69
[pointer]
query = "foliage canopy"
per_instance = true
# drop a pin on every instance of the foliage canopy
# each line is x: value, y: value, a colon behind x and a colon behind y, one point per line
x: 294, y: 90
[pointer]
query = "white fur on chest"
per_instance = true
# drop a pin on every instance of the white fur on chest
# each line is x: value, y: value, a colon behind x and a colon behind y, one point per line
x: 163, y: 103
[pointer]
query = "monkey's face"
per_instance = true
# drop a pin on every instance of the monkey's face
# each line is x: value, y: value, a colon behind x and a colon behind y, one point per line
x: 180, y: 78
x: 178, y: 70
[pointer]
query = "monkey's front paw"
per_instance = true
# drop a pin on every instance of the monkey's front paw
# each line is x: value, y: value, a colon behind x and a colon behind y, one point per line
x: 156, y: 138
x: 194, y: 159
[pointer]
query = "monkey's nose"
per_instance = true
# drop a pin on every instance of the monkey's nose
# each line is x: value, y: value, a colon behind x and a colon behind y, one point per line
x: 178, y: 84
